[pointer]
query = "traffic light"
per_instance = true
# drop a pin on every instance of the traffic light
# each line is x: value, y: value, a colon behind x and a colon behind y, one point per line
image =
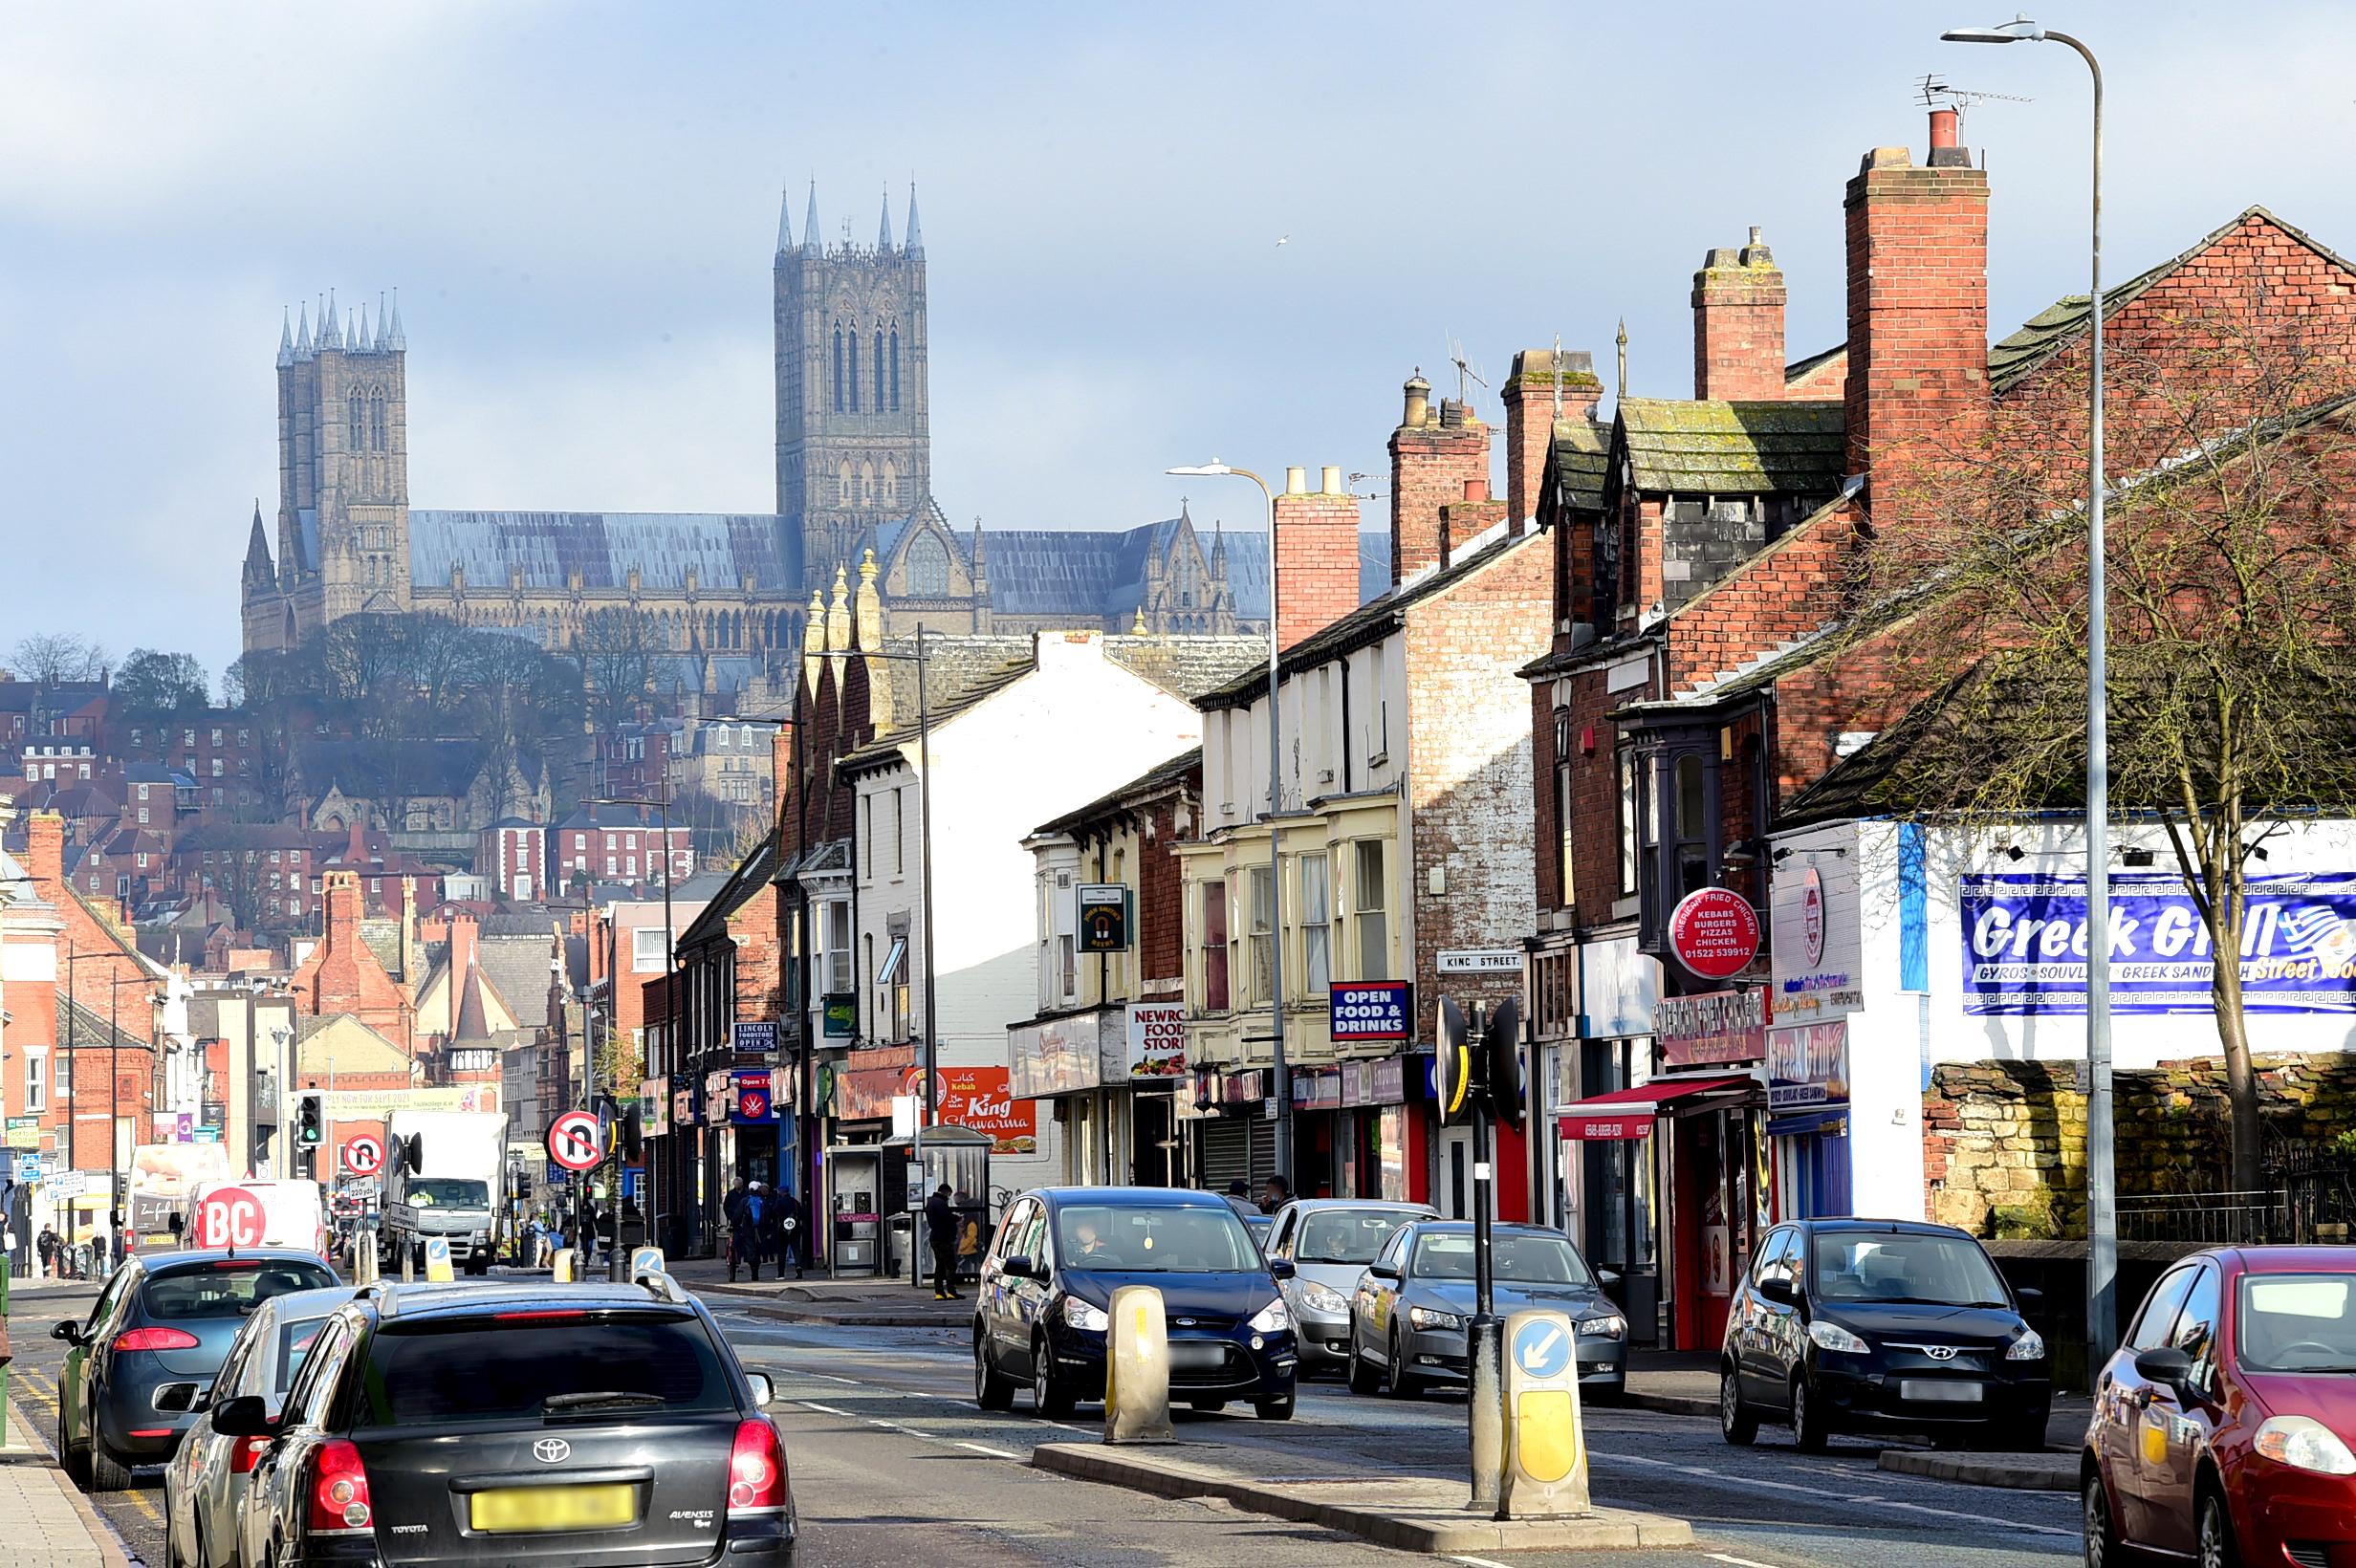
x: 310, y: 1124
x: 1453, y: 1064
x: 1504, y: 1046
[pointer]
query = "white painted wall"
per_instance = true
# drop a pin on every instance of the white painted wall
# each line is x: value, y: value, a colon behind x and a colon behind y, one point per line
x: 1312, y: 743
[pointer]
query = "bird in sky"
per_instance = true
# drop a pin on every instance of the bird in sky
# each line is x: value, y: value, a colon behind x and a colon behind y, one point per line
x: 1282, y: 239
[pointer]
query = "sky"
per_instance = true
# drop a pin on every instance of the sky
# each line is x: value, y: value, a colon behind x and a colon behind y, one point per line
x: 579, y: 205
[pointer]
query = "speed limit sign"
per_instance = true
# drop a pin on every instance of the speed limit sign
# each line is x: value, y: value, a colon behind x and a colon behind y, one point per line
x: 572, y: 1140
x: 363, y: 1155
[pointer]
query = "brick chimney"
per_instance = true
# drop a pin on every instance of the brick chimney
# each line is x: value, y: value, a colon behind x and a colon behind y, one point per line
x: 1738, y: 324
x: 780, y: 781
x: 1317, y: 554
x: 45, y: 850
x: 1918, y: 307
x: 1540, y: 377
x: 462, y: 946
x: 1466, y: 519
x: 1432, y: 453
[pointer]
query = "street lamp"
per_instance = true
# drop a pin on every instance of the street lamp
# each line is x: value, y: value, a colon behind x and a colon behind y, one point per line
x: 1283, y: 1080
x: 614, y: 1261
x: 2102, y: 1202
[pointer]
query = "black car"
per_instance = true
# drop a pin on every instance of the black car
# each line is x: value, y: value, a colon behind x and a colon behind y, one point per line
x: 516, y: 1425
x: 152, y: 1342
x: 1040, y: 1311
x: 1848, y: 1324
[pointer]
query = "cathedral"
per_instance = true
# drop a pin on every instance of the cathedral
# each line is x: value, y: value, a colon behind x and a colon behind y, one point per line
x: 724, y: 593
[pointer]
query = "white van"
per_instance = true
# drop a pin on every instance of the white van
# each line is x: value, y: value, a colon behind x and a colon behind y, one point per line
x: 258, y: 1214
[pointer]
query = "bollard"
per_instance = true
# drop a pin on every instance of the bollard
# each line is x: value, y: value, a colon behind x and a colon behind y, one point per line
x: 563, y: 1269
x: 1546, y: 1452
x: 438, y: 1271
x: 365, y: 1263
x: 1136, y: 1368
x: 1485, y: 1411
x: 645, y: 1260
x: 408, y: 1266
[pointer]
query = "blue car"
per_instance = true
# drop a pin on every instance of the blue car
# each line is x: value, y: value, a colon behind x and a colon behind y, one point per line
x: 1059, y: 1253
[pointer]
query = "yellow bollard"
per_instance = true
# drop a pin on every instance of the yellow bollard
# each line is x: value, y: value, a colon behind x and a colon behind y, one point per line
x: 563, y: 1269
x: 438, y: 1271
x: 1136, y: 1368
x: 1545, y: 1451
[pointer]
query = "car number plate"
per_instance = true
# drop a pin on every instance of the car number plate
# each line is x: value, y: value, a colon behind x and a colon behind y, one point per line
x: 1937, y: 1392
x: 553, y: 1507
x: 1196, y: 1355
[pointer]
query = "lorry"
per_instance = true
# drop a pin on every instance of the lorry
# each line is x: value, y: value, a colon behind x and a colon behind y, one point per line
x: 442, y: 1174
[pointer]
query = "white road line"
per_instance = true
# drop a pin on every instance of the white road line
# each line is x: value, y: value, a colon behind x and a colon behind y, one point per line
x: 1002, y: 1453
x: 1482, y: 1562
x: 1738, y: 1562
x: 813, y: 1404
x: 1704, y: 1471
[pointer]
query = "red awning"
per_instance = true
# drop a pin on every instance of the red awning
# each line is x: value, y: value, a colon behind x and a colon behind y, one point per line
x: 1629, y: 1113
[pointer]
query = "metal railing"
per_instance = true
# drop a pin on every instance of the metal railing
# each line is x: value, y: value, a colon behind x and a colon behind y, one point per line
x: 2205, y: 1219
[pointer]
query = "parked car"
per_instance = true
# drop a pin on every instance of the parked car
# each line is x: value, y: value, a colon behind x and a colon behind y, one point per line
x: 1039, y: 1310
x: 205, y: 1481
x: 1850, y: 1324
x: 1410, y: 1312
x: 153, y: 1342
x: 516, y: 1425
x: 2224, y: 1428
x: 1329, y: 1242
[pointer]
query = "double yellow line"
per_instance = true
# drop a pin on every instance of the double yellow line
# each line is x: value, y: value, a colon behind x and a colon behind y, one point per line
x: 43, y: 1388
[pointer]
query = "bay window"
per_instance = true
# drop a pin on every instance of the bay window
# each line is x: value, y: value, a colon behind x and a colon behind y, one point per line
x: 1211, y: 947
x: 1316, y: 929
x: 1371, y: 904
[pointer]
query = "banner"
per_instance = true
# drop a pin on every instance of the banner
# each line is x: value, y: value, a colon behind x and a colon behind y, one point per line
x: 2024, y: 944
x: 375, y: 1104
x: 1813, y: 915
x: 1157, y: 1040
x: 162, y: 1176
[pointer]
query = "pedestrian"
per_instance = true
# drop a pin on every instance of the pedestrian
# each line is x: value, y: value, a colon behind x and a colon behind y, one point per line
x: 940, y: 1231
x: 773, y: 1225
x: 1239, y: 1198
x: 789, y: 1231
x: 48, y: 1245
x: 743, y: 1212
x: 1274, y: 1193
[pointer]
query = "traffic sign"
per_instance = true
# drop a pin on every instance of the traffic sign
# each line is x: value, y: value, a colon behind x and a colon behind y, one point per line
x: 1715, y: 932
x: 1478, y: 961
x: 438, y: 1269
x: 1541, y: 1348
x: 363, y: 1155
x: 227, y: 1216
x: 573, y: 1140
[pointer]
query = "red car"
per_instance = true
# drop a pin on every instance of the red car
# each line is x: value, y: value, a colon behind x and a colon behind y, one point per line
x: 2224, y: 1430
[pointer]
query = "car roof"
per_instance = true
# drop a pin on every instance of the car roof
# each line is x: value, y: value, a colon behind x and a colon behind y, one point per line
x: 1908, y: 1227
x: 1461, y: 1228
x: 208, y: 1256
x: 406, y: 1304
x: 1387, y: 1204
x: 317, y: 1303
x: 1133, y: 1197
x: 2286, y: 1259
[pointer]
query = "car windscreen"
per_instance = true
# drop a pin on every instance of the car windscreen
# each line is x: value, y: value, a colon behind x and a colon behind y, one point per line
x: 1514, y: 1260
x: 227, y: 1286
x: 287, y: 1355
x: 2302, y: 1322
x: 1345, y: 1236
x: 1901, y: 1266
x: 548, y: 1366
x: 449, y: 1192
x: 1154, y: 1239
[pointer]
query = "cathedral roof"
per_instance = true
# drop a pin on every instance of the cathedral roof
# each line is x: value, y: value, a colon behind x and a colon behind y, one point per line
x: 548, y: 547
x: 1052, y: 572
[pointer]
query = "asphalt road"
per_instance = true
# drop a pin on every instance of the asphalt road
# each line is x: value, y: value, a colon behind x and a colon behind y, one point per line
x: 893, y: 1463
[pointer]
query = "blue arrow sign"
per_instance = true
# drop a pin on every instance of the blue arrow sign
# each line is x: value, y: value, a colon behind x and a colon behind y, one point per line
x: 1542, y: 1348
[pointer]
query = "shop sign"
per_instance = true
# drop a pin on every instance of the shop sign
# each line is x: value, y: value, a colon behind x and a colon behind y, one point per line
x: 1217, y: 1088
x: 981, y: 1099
x: 1618, y: 986
x: 683, y: 1105
x: 841, y: 1015
x: 1818, y: 950
x: 754, y: 1037
x: 1382, y: 1081
x: 1157, y: 1038
x: 1104, y: 918
x: 749, y: 1101
x: 1315, y: 1089
x: 2024, y: 938
x: 866, y: 1095
x: 1369, y: 1011
x: 654, y: 1107
x: 1714, y: 1028
x: 1715, y: 932
x: 716, y: 1097
x: 1808, y: 1065
x: 1056, y: 1057
x: 24, y: 1132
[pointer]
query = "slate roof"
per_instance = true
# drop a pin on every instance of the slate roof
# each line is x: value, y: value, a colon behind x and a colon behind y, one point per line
x: 89, y: 1028
x: 373, y: 770
x: 2044, y: 335
x: 1697, y: 447
x: 1581, y: 457
x: 517, y: 969
x: 1162, y: 775
x: 1799, y: 368
x: 601, y: 546
x: 1187, y: 666
x: 751, y: 873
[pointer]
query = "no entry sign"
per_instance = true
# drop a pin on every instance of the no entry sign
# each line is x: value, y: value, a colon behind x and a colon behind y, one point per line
x: 363, y: 1155
x: 229, y: 1216
x: 572, y: 1140
x: 1715, y: 932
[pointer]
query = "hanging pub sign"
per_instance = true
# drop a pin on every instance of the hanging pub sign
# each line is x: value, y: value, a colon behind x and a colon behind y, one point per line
x: 1711, y: 1029
x: 1104, y: 918
x: 842, y: 1020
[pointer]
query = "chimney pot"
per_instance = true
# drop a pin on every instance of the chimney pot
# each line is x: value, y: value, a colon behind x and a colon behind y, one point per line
x: 1451, y: 414
x: 1944, y: 128
x: 1296, y: 480
x: 1418, y: 410
x: 1477, y: 489
x: 1331, y: 480
x: 1755, y: 235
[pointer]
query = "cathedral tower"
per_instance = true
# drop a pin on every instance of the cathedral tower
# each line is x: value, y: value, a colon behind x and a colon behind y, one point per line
x: 853, y: 438
x: 344, y: 479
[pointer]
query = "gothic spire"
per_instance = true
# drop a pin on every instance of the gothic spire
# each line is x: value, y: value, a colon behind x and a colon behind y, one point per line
x: 330, y: 334
x: 883, y: 230
x: 810, y: 242
x: 916, y: 234
x: 359, y: 336
x: 302, y: 336
x: 385, y: 329
x: 258, y: 569
x: 286, y: 348
x: 400, y: 340
x: 785, y: 229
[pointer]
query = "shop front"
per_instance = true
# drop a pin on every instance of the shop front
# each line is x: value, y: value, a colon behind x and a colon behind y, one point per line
x: 1234, y: 1127
x: 1113, y: 1078
x: 1351, y: 1130
x: 1817, y: 984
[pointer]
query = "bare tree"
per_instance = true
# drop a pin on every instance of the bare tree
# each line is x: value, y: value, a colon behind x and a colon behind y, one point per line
x: 618, y: 656
x: 51, y: 657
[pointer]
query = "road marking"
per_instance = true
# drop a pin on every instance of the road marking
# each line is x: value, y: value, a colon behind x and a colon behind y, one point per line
x: 813, y: 1404
x: 144, y: 1505
x: 1002, y: 1453
x: 1607, y: 1461
x: 1482, y: 1562
x: 1738, y: 1562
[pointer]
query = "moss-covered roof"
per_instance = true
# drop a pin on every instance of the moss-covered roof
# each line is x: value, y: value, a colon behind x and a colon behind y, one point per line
x: 1581, y: 458
x: 1697, y: 447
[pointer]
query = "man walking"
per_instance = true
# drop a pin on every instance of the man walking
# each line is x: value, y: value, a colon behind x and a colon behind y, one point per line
x: 940, y: 1231
x: 732, y: 1215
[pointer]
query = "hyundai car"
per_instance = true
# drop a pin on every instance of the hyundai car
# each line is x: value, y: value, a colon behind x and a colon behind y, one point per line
x: 1039, y: 1310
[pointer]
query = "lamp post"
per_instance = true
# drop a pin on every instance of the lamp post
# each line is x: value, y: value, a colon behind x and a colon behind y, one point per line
x: 1281, y: 1083
x: 614, y: 1262
x: 2101, y: 1200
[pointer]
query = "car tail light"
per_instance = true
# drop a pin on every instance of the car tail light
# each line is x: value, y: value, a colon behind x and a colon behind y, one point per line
x: 757, y: 1469
x: 245, y: 1452
x: 338, y: 1491
x: 155, y: 1339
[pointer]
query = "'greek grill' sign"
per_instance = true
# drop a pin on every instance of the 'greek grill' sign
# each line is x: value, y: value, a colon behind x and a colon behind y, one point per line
x: 2024, y: 938
x: 1372, y: 1009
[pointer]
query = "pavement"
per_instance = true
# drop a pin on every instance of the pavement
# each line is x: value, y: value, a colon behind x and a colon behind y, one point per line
x: 45, y: 1519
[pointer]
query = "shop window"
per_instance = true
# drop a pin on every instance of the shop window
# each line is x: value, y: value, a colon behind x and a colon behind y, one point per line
x: 1628, y: 830
x: 1315, y: 929
x: 1371, y: 892
x: 1212, y: 951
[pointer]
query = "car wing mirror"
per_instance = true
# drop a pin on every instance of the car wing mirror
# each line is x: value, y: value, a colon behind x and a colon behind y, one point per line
x: 2028, y: 1296
x: 1609, y: 1278
x: 1383, y: 1270
x: 763, y: 1389
x: 70, y: 1331
x: 1020, y: 1266
x: 246, y: 1415
x: 1280, y: 1268
x: 1779, y: 1292
x: 2166, y: 1365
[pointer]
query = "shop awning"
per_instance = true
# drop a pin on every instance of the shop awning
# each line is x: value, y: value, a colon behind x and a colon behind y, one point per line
x: 1629, y: 1113
x: 1816, y: 1118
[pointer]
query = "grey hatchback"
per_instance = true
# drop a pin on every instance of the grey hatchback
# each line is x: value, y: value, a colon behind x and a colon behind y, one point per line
x: 1408, y: 1321
x: 1329, y: 1242
x: 151, y: 1344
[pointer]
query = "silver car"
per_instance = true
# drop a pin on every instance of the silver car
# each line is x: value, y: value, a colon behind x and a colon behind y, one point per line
x: 206, y: 1480
x: 1329, y: 1242
x: 1408, y: 1321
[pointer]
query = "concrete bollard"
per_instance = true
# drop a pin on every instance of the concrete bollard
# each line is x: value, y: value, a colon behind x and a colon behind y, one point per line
x: 364, y: 1262
x: 1136, y: 1368
x: 565, y: 1269
x: 1546, y: 1450
x: 408, y: 1266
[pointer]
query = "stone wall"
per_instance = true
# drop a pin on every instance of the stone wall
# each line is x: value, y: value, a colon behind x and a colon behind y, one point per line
x: 2004, y: 1144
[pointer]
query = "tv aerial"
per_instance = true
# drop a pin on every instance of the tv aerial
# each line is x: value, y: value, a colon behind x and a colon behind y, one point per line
x: 1935, y: 91
x: 1467, y: 375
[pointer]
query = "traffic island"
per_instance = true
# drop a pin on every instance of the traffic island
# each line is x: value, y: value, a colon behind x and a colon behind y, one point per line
x: 2015, y: 1471
x: 1406, y: 1513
